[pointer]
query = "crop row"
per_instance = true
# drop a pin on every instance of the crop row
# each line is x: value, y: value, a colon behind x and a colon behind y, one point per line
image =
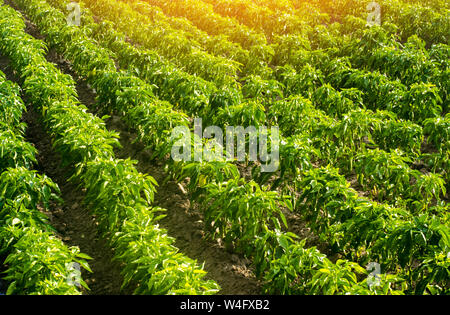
x: 37, y: 261
x: 167, y: 81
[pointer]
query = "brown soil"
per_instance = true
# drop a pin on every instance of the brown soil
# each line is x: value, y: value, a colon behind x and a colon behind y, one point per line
x: 231, y: 272
x: 183, y: 222
x: 73, y: 220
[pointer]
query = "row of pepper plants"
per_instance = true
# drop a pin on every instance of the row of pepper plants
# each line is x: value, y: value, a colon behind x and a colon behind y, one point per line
x: 169, y: 82
x: 36, y: 260
x: 117, y: 193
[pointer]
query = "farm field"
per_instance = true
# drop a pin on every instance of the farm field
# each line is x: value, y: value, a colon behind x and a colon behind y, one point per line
x: 239, y: 147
